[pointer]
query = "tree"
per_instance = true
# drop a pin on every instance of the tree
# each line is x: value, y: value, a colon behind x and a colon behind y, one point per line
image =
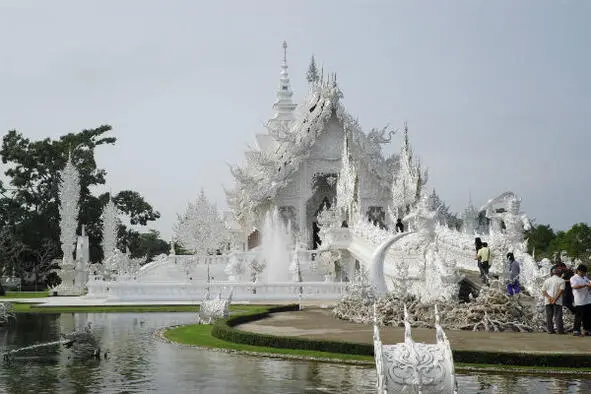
x: 11, y: 252
x: 148, y: 245
x: 32, y: 204
x: 312, y: 74
x: 576, y: 242
x: 539, y: 239
x: 200, y: 229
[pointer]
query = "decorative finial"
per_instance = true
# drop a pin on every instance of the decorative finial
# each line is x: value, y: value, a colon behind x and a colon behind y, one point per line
x: 284, y: 51
x: 284, y: 106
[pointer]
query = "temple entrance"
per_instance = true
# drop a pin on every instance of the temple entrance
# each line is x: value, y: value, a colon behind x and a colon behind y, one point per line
x: 325, y: 193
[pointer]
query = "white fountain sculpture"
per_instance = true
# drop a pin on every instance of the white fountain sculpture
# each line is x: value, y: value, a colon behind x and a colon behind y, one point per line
x: 212, y: 309
x: 411, y: 367
x: 82, y: 260
x: 275, y: 247
x: 235, y: 268
x: 294, y: 267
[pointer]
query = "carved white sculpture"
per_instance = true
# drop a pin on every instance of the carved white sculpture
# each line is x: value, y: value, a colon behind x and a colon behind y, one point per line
x: 411, y: 367
x: 213, y: 309
x: 6, y: 312
x: 69, y: 194
x: 110, y: 217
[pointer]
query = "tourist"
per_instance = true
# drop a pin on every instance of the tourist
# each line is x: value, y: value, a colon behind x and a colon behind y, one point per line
x: 580, y: 284
x: 512, y: 274
x: 552, y: 290
x: 483, y: 258
x: 567, y: 295
x: 477, y: 244
x: 399, y: 226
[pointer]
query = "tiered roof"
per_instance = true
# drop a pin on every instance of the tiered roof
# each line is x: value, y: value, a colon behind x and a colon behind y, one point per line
x: 288, y: 143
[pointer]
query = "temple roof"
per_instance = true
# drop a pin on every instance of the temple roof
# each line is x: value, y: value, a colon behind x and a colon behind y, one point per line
x: 289, y: 141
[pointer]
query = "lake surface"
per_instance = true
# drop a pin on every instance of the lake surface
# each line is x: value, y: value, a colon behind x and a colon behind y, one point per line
x: 139, y: 363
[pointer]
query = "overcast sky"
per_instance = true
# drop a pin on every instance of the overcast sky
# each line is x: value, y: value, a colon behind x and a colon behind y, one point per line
x: 497, y: 94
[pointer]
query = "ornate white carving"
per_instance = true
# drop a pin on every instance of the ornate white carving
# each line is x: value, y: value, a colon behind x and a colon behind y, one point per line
x: 211, y: 310
x: 414, y: 367
x: 69, y: 194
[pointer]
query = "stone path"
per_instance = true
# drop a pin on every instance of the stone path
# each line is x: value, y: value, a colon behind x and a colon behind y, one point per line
x: 316, y: 323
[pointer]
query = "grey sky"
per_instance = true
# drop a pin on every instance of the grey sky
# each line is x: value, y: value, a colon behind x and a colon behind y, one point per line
x: 497, y: 94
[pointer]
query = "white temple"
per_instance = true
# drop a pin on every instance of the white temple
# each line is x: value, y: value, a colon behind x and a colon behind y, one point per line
x: 314, y: 203
x: 296, y: 163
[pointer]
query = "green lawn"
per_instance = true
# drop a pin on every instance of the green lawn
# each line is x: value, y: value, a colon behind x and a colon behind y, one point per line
x: 200, y: 335
x: 25, y: 294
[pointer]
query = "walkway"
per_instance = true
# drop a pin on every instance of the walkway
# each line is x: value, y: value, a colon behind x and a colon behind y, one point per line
x: 316, y: 323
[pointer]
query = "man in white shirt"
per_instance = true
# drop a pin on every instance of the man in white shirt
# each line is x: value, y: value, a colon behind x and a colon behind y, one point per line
x: 581, y: 284
x: 552, y: 290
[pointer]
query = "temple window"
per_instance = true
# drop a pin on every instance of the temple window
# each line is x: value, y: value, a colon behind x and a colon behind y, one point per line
x: 377, y: 216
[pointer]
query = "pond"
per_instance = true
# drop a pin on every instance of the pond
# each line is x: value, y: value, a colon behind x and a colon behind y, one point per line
x: 137, y: 362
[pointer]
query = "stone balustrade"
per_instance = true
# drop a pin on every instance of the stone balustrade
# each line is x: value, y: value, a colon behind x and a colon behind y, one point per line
x: 242, y: 291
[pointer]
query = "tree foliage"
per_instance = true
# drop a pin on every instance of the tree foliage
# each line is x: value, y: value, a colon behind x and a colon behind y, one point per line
x: 29, y: 198
x: 148, y: 245
x: 538, y: 239
x: 576, y: 242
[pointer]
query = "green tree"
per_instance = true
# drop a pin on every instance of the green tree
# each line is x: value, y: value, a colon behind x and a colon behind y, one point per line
x: 31, y: 206
x: 539, y: 239
x: 576, y: 242
x: 148, y: 245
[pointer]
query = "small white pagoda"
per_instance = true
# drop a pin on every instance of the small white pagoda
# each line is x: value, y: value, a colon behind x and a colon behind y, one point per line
x: 312, y: 156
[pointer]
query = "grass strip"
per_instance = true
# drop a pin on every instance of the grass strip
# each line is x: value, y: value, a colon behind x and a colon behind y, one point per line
x: 25, y: 294
x: 224, y: 329
x: 36, y: 308
x: 200, y: 335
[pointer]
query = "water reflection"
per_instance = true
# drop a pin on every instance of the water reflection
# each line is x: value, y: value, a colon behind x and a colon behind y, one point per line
x: 138, y: 363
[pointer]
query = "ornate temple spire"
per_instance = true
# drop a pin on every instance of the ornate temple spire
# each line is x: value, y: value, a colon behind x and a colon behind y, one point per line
x: 284, y: 106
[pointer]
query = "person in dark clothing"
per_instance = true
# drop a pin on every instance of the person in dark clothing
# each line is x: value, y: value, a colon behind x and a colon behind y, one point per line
x: 399, y: 226
x: 344, y: 224
x: 477, y: 244
x: 567, y: 294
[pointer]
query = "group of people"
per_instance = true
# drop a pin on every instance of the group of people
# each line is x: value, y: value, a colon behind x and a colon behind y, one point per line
x: 572, y: 290
x: 564, y: 288
x: 511, y: 271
